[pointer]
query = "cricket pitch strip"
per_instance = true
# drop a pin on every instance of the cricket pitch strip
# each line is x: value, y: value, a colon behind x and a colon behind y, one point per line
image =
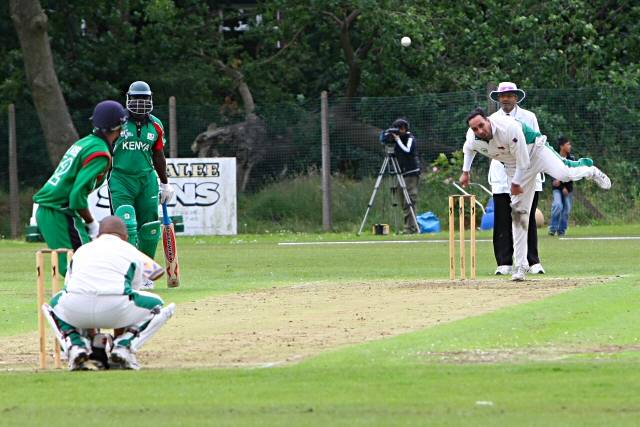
x: 284, y: 325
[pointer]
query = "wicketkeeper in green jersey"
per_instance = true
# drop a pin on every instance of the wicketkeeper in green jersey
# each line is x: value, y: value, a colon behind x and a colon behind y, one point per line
x: 63, y: 214
x: 138, y: 162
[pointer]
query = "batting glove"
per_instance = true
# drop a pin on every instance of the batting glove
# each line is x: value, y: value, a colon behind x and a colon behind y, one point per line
x: 92, y: 228
x: 166, y: 193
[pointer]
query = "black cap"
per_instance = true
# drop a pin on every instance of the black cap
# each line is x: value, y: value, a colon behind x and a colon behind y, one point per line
x: 562, y: 140
x: 400, y: 123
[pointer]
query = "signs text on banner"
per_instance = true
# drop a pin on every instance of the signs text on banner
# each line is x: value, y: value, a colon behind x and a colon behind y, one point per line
x: 205, y: 195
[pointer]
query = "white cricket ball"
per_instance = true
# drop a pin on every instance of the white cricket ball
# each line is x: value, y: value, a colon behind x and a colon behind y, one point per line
x: 405, y: 41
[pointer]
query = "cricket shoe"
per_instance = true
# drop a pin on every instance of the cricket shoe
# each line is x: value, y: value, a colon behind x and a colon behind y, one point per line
x: 503, y: 270
x: 123, y: 357
x: 536, y: 269
x: 147, y: 285
x: 77, y: 357
x: 601, y: 179
x: 519, y: 274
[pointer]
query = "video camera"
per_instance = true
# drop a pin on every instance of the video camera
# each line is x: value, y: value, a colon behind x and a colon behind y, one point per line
x: 388, y: 135
x: 388, y: 140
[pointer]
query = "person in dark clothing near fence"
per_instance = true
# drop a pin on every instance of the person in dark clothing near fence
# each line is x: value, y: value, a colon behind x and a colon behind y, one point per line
x: 562, y: 194
x: 407, y: 154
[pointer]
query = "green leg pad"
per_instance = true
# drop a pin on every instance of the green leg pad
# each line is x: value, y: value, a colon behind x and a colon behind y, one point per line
x: 149, y: 235
x: 128, y: 215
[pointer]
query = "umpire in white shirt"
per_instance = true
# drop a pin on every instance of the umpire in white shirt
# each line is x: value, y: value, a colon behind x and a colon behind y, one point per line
x: 509, y: 96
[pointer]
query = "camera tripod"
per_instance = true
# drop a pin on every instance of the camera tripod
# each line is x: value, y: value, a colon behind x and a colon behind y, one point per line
x: 390, y: 166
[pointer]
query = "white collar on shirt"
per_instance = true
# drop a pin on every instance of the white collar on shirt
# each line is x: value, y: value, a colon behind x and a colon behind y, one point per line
x: 513, y: 112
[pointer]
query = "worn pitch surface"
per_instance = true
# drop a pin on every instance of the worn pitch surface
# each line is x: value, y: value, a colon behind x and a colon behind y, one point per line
x: 287, y: 324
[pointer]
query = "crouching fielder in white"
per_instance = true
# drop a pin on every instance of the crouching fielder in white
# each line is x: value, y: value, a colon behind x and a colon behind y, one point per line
x: 525, y: 153
x: 101, y: 291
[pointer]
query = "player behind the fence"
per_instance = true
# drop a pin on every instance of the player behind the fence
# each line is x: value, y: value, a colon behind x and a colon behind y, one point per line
x: 101, y: 291
x: 525, y: 153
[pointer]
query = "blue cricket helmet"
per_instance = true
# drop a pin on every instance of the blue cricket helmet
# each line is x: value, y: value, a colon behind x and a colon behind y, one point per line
x: 139, y: 99
x: 109, y: 116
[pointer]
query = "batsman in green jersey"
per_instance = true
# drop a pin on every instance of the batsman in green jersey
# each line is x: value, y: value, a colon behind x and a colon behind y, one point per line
x: 138, y: 162
x: 63, y: 214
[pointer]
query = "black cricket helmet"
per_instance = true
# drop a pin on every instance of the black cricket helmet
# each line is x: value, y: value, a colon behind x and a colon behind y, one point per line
x: 140, y: 99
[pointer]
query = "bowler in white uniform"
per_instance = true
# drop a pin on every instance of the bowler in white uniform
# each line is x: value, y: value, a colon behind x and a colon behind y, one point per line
x: 503, y: 139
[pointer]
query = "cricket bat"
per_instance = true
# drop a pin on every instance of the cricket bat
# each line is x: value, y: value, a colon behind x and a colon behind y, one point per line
x: 170, y: 249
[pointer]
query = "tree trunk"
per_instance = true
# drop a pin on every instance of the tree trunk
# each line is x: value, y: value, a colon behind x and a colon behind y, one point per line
x: 354, y: 80
x: 30, y: 22
x: 352, y: 56
x: 245, y: 140
x: 243, y: 89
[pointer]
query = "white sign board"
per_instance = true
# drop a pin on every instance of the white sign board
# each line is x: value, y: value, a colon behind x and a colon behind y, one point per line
x: 205, y: 195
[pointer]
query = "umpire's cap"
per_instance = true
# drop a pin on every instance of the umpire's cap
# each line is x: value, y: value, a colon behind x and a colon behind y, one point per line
x: 108, y: 116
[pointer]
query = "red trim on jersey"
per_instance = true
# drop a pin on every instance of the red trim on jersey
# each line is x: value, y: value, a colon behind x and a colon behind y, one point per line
x: 159, y: 145
x: 96, y: 155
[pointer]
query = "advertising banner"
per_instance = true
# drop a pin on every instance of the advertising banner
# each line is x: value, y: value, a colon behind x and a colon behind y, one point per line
x: 205, y: 195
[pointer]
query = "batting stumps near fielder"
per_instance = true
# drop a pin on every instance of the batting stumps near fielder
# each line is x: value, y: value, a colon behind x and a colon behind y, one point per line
x: 452, y: 236
x: 55, y: 288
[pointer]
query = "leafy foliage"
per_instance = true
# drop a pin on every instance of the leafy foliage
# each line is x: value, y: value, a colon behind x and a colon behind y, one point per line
x: 292, y: 49
x: 101, y: 46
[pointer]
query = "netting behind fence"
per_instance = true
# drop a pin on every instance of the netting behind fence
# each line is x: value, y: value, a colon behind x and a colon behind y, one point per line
x: 284, y: 140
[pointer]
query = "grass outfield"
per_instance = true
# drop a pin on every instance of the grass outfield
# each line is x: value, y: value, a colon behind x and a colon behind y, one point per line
x: 570, y: 359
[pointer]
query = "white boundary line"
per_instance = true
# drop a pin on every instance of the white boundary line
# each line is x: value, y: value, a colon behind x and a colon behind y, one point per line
x: 369, y: 242
x: 602, y: 238
x: 377, y: 242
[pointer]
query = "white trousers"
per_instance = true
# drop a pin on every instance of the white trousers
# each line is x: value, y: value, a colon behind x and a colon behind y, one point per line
x: 543, y: 159
x: 103, y: 311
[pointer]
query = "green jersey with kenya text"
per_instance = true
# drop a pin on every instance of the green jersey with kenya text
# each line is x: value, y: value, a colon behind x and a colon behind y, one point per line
x: 81, y: 170
x: 133, y: 151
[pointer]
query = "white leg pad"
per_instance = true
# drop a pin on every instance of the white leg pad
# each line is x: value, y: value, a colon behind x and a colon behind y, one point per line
x: 47, y: 311
x: 154, y: 325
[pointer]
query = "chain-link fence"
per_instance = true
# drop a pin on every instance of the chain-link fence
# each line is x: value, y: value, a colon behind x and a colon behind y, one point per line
x: 284, y: 140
